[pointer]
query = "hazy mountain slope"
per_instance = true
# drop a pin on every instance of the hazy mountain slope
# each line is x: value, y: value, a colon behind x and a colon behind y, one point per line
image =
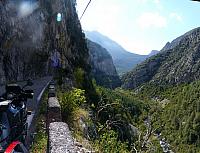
x: 124, y: 61
x: 103, y: 69
x: 153, y: 52
x: 177, y: 65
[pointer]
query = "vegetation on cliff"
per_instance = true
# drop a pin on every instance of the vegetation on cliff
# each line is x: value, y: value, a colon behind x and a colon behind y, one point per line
x: 177, y: 114
x: 180, y: 64
x: 140, y: 119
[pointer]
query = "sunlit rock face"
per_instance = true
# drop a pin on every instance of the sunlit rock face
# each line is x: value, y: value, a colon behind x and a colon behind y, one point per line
x: 29, y: 33
x: 178, y: 62
x: 103, y: 69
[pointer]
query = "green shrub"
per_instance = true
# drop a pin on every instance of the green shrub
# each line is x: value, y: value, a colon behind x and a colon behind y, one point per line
x: 79, y: 76
x: 70, y: 101
x: 108, y: 143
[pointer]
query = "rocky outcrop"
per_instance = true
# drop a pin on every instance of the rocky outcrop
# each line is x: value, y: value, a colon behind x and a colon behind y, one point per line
x: 177, y: 41
x: 29, y: 33
x: 103, y: 69
x: 181, y: 64
x: 153, y: 52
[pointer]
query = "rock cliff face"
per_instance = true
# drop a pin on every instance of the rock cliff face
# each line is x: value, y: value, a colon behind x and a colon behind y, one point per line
x: 21, y: 40
x: 29, y: 33
x: 180, y: 64
x: 103, y: 69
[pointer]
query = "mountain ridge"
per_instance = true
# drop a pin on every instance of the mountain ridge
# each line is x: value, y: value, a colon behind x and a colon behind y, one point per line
x: 123, y: 60
x: 181, y: 64
x: 175, y: 42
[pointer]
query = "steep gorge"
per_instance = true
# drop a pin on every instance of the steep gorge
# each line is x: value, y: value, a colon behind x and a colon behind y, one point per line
x: 103, y: 69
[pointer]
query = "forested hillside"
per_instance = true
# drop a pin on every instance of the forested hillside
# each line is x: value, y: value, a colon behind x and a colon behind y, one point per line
x: 174, y: 66
x: 176, y: 115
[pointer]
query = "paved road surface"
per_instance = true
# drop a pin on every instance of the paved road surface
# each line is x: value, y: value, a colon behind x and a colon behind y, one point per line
x: 32, y: 105
x: 38, y: 86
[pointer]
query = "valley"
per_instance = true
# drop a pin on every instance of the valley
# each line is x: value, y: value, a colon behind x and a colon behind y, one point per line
x: 161, y: 99
x: 112, y: 100
x: 123, y: 60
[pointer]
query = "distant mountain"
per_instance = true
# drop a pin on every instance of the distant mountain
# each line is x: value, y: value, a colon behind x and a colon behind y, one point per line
x: 124, y: 61
x: 103, y: 69
x: 178, y: 62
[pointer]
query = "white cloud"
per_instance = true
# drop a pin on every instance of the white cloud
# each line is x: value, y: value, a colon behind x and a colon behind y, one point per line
x: 176, y: 16
x: 136, y: 46
x: 156, y: 1
x: 147, y: 1
x: 117, y: 20
x: 142, y: 1
x: 151, y: 19
x: 104, y: 19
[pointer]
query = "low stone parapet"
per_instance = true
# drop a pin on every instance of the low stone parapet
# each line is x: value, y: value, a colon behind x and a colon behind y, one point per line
x: 53, y: 111
x: 60, y: 138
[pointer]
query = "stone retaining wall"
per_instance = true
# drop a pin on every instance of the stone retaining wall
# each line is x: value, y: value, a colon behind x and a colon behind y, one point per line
x: 53, y: 111
x: 59, y: 136
x: 60, y: 139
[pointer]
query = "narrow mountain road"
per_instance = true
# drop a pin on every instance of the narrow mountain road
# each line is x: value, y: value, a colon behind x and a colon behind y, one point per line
x: 38, y: 87
x: 33, y: 105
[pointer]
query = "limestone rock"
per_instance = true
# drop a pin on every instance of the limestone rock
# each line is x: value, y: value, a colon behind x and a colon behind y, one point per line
x: 103, y: 69
x: 179, y: 64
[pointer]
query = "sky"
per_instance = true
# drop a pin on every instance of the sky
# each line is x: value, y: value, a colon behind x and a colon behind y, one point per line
x: 140, y: 25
